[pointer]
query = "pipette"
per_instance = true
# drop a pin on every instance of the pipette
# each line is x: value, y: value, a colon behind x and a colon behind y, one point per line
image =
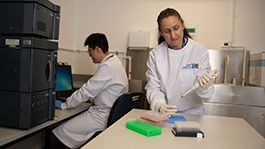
x: 196, y: 85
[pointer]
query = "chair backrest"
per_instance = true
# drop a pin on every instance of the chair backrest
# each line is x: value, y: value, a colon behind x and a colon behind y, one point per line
x: 124, y: 104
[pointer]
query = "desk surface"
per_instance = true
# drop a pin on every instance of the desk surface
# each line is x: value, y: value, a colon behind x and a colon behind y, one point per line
x: 220, y: 132
x: 8, y: 135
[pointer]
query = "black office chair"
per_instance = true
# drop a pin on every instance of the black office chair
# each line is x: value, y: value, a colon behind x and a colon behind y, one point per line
x: 123, y: 104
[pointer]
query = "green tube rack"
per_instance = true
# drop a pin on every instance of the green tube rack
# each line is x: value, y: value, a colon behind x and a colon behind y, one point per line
x: 143, y: 128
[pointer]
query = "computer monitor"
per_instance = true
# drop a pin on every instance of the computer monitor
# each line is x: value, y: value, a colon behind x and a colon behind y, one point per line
x: 64, y: 82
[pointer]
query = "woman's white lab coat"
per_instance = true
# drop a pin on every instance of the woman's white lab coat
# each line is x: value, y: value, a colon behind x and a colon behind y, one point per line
x: 107, y: 84
x: 171, y: 73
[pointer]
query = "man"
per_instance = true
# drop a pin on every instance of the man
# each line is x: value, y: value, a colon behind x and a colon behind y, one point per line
x: 106, y: 85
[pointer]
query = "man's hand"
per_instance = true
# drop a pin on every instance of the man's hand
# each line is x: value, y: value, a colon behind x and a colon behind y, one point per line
x: 58, y: 104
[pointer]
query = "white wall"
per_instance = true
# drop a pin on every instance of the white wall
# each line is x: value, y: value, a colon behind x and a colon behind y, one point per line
x: 213, y: 20
x: 250, y: 24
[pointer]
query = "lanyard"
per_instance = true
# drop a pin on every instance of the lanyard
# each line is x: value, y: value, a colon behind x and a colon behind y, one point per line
x: 108, y: 57
x: 184, y: 41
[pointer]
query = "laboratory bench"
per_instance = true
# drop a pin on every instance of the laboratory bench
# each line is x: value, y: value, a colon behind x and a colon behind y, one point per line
x: 220, y: 132
x: 11, y: 136
x: 247, y: 102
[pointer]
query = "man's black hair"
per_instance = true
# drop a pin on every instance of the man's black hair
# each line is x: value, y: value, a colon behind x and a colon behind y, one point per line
x: 99, y: 40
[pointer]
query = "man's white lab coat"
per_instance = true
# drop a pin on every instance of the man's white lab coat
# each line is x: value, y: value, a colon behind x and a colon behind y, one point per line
x: 107, y: 84
x: 172, y: 72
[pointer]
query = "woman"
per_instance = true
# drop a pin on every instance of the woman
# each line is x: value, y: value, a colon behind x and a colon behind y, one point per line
x: 174, y: 66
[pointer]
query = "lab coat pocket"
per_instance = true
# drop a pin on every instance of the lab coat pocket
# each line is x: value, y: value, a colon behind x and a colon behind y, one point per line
x: 188, y: 78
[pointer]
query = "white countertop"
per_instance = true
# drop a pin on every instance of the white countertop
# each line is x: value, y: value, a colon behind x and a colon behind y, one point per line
x: 220, y: 133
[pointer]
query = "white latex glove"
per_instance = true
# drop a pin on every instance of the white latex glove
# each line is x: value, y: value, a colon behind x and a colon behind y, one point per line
x: 205, y: 81
x: 166, y: 109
